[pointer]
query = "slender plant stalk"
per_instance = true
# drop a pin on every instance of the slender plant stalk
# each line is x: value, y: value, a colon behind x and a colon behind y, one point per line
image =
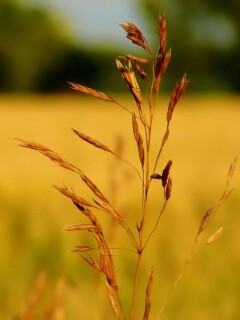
x: 100, y: 257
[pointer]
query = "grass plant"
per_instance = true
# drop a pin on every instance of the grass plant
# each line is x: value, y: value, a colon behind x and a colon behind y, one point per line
x: 150, y: 70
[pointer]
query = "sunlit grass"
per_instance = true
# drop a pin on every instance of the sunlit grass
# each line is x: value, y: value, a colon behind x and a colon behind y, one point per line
x: 203, y: 142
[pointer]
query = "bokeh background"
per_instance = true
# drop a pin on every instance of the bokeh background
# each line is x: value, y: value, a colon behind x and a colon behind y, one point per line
x: 45, y: 44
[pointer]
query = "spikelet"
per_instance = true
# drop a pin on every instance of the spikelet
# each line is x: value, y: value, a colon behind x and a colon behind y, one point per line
x: 130, y: 78
x: 160, y: 68
x: 75, y: 198
x: 232, y: 170
x: 177, y: 93
x: 93, y: 187
x: 80, y: 249
x: 113, y: 301
x: 92, y: 141
x: 79, y: 227
x: 205, y: 220
x: 163, y: 57
x: 214, y: 236
x: 117, y: 218
x: 91, y: 92
x: 168, y: 189
x: 132, y: 58
x: 138, y: 139
x: 211, y: 211
x: 56, y: 158
x: 139, y: 62
x: 165, y: 137
x: 165, y: 173
x: 105, y: 262
x: 135, y: 35
x: 110, y: 210
x: 162, y: 33
x: 148, y: 296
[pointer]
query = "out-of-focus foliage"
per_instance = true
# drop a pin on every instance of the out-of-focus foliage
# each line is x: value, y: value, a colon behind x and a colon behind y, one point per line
x: 205, y: 40
x: 31, y: 42
x: 94, y: 68
x: 36, y: 53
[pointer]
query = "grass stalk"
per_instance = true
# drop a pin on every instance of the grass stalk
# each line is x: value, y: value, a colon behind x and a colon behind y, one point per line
x: 100, y: 257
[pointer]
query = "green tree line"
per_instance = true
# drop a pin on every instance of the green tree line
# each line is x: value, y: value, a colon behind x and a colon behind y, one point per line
x: 36, y: 54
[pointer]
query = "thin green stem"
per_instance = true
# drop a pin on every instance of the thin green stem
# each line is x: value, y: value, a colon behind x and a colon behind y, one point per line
x: 191, y: 256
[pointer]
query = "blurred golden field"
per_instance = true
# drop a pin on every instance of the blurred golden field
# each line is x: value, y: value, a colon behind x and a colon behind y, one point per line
x: 204, y: 140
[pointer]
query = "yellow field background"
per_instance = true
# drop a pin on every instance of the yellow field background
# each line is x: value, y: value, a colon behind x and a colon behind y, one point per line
x: 204, y: 140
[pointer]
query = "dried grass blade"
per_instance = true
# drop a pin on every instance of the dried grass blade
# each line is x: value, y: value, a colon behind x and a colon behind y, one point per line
x: 93, y: 187
x: 91, y: 92
x: 118, y: 218
x: 93, y: 263
x: 160, y: 68
x: 135, y: 35
x: 130, y: 78
x: 97, y: 232
x: 138, y: 139
x: 165, y: 137
x: 79, y: 227
x: 224, y: 196
x: 214, y: 236
x: 112, y: 299
x: 110, y: 210
x: 232, y: 170
x: 205, y: 220
x: 148, y: 296
x: 165, y: 173
x: 162, y: 33
x: 210, y: 212
x: 132, y: 58
x: 49, y: 154
x: 82, y: 249
x: 78, y: 200
x: 92, y: 141
x: 177, y: 93
x: 140, y: 71
x: 139, y: 62
x: 168, y: 189
x: 75, y: 198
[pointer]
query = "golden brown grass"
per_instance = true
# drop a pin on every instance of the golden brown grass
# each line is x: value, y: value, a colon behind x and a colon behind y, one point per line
x: 152, y: 172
